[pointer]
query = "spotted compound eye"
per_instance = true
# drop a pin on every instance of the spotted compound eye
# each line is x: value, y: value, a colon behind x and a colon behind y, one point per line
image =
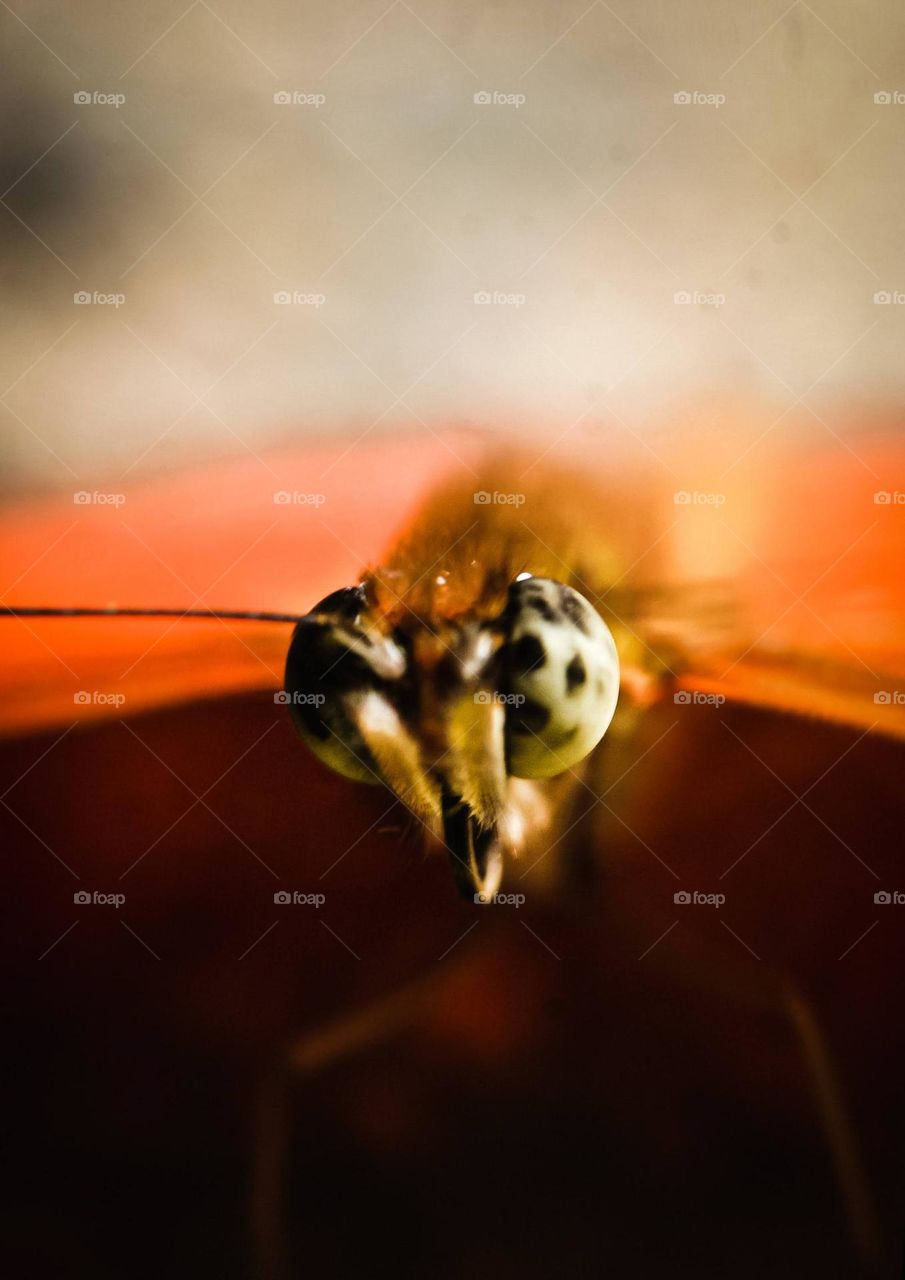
x: 332, y: 660
x: 561, y: 675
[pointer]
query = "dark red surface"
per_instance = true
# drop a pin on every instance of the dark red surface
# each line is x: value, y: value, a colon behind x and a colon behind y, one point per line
x: 560, y: 1105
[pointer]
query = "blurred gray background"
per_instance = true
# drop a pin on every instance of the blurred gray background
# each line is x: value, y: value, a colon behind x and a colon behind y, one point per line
x: 676, y: 209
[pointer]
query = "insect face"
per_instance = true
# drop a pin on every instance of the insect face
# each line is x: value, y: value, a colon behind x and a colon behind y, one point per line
x: 450, y: 712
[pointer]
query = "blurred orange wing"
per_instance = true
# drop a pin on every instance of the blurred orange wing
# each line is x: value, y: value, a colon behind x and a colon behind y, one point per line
x: 778, y: 583
x: 273, y: 535
x: 788, y: 590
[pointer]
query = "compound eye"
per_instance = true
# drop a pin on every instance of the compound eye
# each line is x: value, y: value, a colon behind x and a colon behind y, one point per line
x: 331, y: 659
x: 561, y: 675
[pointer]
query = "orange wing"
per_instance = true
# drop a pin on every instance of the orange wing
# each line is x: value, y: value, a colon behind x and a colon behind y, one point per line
x: 778, y: 582
x: 250, y: 535
x: 815, y: 559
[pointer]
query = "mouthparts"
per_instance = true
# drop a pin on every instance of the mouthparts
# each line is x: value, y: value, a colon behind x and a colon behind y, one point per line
x: 475, y: 852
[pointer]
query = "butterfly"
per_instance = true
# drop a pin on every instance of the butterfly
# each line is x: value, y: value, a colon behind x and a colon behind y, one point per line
x: 498, y: 648
x: 773, y: 586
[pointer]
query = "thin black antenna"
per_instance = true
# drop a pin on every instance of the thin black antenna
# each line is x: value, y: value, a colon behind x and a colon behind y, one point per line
x: 239, y: 615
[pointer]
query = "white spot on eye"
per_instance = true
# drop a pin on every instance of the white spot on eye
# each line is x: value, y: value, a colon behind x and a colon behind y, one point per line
x: 440, y: 580
x: 522, y: 577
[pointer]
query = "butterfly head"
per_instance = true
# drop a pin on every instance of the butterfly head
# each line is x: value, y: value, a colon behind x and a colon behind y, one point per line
x: 464, y: 717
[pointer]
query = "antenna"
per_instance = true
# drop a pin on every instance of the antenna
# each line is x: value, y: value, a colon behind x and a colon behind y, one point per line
x: 239, y: 615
